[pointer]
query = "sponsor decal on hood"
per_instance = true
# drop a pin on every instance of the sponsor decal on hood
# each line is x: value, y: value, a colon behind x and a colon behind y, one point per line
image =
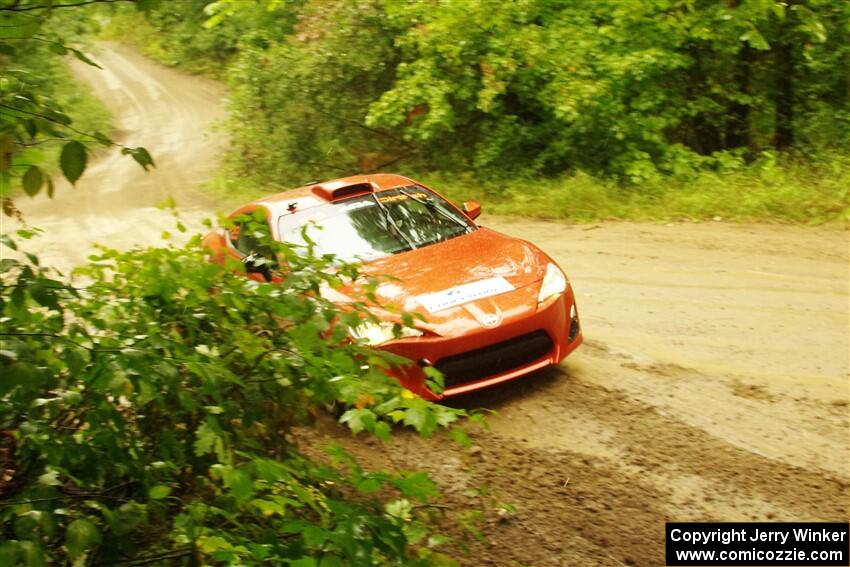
x: 465, y: 293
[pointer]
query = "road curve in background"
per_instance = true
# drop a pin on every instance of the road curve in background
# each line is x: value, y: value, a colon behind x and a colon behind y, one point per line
x: 114, y: 203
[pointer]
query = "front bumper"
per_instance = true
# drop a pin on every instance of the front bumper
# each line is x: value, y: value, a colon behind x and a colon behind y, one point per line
x: 520, y: 345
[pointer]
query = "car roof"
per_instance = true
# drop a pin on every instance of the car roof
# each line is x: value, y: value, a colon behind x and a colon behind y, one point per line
x: 379, y: 181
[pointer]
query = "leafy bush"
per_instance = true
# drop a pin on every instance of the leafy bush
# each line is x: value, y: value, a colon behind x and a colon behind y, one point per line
x: 151, y: 414
x: 630, y: 90
x: 614, y: 109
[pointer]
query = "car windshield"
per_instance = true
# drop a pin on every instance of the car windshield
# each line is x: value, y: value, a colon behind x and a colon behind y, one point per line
x: 375, y: 225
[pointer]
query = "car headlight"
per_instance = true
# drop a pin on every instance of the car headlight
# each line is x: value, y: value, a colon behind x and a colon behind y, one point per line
x: 554, y: 282
x: 378, y: 333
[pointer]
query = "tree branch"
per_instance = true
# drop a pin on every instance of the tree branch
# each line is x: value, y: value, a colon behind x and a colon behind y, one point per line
x: 392, y: 161
x: 49, y: 6
x: 362, y: 126
x: 49, y: 119
x: 61, y: 338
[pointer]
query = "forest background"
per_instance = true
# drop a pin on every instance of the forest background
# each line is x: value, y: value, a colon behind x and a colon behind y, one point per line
x: 738, y: 109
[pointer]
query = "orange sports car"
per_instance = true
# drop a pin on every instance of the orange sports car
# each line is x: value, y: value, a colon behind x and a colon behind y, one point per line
x: 495, y: 308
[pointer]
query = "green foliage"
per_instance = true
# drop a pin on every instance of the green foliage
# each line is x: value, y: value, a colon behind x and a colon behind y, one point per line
x: 801, y: 191
x: 38, y: 97
x: 180, y: 34
x: 626, y: 90
x: 73, y: 160
x: 152, y: 413
x: 305, y: 91
x: 632, y: 89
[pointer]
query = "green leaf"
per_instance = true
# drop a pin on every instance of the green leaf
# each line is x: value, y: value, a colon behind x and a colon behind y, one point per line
x: 269, y: 507
x: 460, y: 437
x: 382, y: 430
x: 32, y: 180
x: 102, y: 138
x: 211, y: 544
x: 358, y: 419
x: 33, y: 554
x: 206, y: 439
x: 314, y: 536
x: 31, y: 127
x: 141, y: 156
x: 22, y: 374
x: 57, y: 48
x: 44, y: 292
x: 81, y: 536
x: 76, y: 358
x: 400, y: 508
x: 434, y: 379
x: 56, y: 116
x: 10, y: 552
x: 83, y: 57
x: 18, y: 25
x: 417, y: 485
x: 147, y: 5
x: 422, y: 419
x: 128, y: 517
x: 369, y: 485
x: 159, y: 492
x: 6, y: 240
x: 239, y: 483
x: 755, y: 39
x: 50, y: 478
x: 73, y: 160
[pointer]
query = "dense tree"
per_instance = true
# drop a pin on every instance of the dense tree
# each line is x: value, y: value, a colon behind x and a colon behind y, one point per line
x: 628, y: 89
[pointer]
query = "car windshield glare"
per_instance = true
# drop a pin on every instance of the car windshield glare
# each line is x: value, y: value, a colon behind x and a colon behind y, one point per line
x: 375, y: 225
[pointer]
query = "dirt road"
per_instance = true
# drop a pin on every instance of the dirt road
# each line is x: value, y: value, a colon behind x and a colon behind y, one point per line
x: 115, y: 202
x: 713, y: 384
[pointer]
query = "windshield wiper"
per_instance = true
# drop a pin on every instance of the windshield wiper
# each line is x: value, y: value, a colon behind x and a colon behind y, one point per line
x: 391, y: 220
x: 435, y: 207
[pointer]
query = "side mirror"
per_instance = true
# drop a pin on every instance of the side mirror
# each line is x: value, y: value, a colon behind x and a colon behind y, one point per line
x: 472, y: 209
x: 256, y: 264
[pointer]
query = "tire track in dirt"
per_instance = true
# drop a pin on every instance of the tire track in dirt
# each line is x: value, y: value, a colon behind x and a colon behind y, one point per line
x: 728, y: 482
x: 592, y: 488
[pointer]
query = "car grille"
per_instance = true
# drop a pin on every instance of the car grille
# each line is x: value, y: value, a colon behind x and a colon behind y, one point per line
x: 494, y: 359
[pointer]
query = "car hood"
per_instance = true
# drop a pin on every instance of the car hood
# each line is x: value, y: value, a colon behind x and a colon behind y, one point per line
x: 485, y: 262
